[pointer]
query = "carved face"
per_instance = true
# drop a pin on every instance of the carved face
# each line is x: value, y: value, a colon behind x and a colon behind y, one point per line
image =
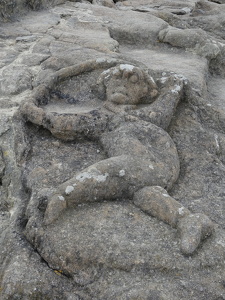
x: 126, y: 84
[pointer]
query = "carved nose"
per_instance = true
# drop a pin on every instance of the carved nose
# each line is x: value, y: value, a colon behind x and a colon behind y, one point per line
x: 120, y: 89
x: 126, y: 74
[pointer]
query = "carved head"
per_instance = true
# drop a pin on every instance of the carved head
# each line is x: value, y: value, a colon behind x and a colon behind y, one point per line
x: 126, y: 84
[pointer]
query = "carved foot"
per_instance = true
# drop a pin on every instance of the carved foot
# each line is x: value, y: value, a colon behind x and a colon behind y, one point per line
x: 193, y: 229
x: 56, y: 205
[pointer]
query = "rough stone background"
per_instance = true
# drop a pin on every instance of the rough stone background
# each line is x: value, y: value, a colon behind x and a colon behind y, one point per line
x: 119, y: 252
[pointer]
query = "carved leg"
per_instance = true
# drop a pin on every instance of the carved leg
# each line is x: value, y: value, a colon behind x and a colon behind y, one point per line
x: 193, y: 228
x: 120, y: 175
x: 105, y: 180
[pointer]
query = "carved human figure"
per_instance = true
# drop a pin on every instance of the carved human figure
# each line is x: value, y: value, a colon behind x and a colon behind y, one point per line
x: 142, y: 161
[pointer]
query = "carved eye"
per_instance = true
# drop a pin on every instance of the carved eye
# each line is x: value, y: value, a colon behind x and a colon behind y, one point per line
x: 134, y: 78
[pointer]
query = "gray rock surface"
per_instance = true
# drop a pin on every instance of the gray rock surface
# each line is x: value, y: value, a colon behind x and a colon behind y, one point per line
x: 112, y: 150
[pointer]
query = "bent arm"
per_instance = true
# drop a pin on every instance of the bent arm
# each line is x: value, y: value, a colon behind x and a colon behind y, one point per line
x: 161, y: 111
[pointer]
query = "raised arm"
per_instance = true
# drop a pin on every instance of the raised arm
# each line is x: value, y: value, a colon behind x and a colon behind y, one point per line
x: 161, y: 111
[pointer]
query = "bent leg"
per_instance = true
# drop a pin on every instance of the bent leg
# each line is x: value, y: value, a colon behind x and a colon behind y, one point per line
x: 193, y: 228
x: 105, y: 180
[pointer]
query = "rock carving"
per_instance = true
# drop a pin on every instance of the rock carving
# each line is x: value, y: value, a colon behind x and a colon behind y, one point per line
x: 142, y: 161
x: 112, y: 149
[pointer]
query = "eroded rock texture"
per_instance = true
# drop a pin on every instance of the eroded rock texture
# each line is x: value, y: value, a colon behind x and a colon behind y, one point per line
x: 112, y: 150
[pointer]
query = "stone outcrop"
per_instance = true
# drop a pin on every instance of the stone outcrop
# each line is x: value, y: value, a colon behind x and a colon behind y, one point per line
x: 112, y: 150
x: 14, y: 8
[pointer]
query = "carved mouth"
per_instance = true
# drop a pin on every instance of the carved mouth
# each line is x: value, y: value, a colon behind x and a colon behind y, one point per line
x: 119, y: 98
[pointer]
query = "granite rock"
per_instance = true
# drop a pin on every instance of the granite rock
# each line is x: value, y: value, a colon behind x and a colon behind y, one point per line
x: 112, y: 150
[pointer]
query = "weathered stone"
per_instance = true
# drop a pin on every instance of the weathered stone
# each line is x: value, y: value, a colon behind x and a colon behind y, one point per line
x: 15, y: 79
x: 108, y: 3
x: 157, y: 202
x: 193, y: 39
x: 194, y: 229
x: 112, y: 150
x: 126, y: 85
x: 2, y: 166
x: 11, y: 9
